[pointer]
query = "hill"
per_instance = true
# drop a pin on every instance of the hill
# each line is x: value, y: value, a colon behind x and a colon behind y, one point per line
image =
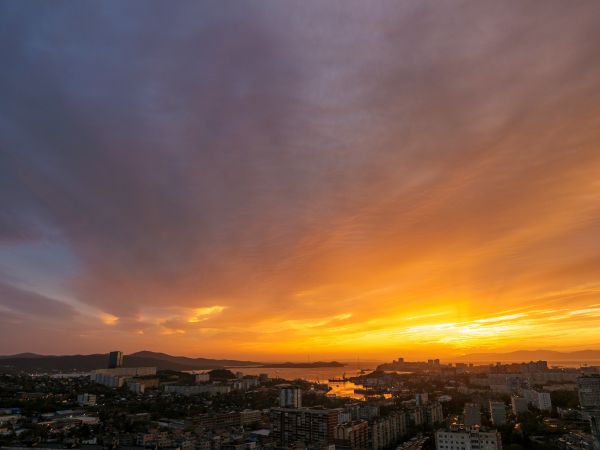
x: 32, y: 362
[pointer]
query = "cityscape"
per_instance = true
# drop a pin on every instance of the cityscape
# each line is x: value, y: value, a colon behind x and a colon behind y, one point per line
x: 404, y: 405
x: 299, y: 225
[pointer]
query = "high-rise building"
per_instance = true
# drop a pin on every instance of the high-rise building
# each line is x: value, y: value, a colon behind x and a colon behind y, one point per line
x: 472, y: 414
x: 498, y: 413
x: 290, y: 397
x: 461, y: 438
x: 115, y: 360
x: 313, y: 427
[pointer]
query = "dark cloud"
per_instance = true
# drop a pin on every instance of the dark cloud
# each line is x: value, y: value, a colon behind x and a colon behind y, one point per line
x: 204, y: 154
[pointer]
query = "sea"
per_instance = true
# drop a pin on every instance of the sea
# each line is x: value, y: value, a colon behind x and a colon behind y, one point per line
x: 313, y: 374
x: 321, y: 375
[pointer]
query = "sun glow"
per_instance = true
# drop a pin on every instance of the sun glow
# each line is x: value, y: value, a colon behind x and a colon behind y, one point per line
x: 109, y: 319
x: 202, y: 314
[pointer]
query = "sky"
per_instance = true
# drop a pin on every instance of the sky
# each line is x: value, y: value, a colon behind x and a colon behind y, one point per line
x: 293, y: 180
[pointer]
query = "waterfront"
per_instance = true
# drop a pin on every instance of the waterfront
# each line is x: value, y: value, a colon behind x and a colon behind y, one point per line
x: 313, y: 374
x: 320, y: 375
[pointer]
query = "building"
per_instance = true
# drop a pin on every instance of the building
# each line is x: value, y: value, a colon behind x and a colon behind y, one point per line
x: 245, y: 384
x: 290, y: 397
x: 589, y: 393
x: 115, y: 360
x: 352, y: 435
x: 465, y: 438
x: 202, y: 377
x: 472, y: 414
x: 111, y: 381
x: 136, y: 387
x: 498, y: 413
x: 210, y: 389
x: 344, y: 416
x: 311, y: 426
x: 118, y: 376
x: 250, y: 416
x: 86, y: 399
x: 153, y: 439
x: 519, y: 405
x: 589, y: 400
x: 368, y: 412
x: 127, y: 371
x: 418, y: 416
x: 534, y: 366
x: 544, y: 401
x: 538, y: 399
x: 434, y: 413
x: 595, y: 429
x: 421, y: 398
x: 220, y: 421
x: 387, y: 431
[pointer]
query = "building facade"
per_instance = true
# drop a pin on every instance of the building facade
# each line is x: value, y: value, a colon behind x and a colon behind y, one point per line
x: 467, y: 439
x: 290, y: 397
x: 519, y: 405
x: 471, y: 414
x: 387, y: 431
x: 352, y: 435
x: 311, y: 426
x: 115, y: 360
x: 498, y: 413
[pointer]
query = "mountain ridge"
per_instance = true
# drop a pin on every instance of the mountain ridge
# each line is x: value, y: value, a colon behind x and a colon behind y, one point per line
x: 162, y: 361
x: 143, y: 358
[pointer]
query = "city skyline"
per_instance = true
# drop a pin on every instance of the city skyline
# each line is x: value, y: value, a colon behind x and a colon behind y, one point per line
x: 276, y: 181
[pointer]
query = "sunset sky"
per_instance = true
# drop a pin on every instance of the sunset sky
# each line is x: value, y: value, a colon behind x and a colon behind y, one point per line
x: 279, y: 180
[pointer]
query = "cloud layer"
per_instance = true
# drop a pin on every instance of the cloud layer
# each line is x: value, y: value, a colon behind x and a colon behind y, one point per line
x: 270, y: 177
